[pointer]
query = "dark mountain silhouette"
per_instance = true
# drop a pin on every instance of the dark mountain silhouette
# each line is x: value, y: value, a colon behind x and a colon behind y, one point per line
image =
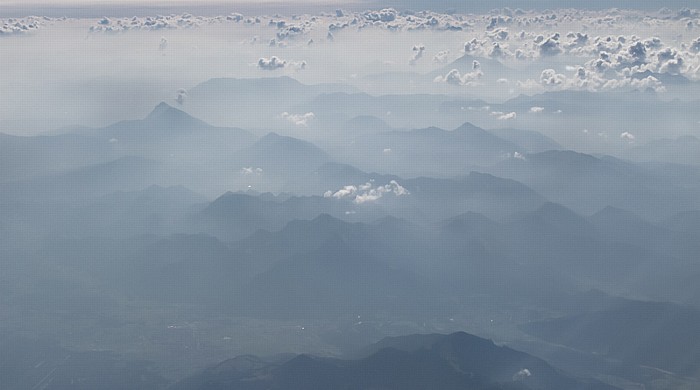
x: 366, y: 124
x: 492, y: 196
x: 237, y: 215
x: 656, y: 334
x: 682, y: 150
x: 430, y: 151
x: 588, y: 184
x: 455, y: 361
x: 166, y: 123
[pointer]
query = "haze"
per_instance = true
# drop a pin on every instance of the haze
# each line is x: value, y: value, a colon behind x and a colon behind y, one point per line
x: 316, y: 195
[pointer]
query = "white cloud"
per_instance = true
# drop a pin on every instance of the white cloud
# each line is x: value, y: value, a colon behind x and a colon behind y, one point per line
x: 181, y: 96
x: 550, y: 46
x: 626, y: 136
x: 17, y: 26
x: 417, y: 54
x: 441, y: 56
x: 367, y: 192
x: 250, y: 171
x: 272, y: 63
x: 536, y: 109
x: 522, y: 375
x: 299, y: 119
x: 550, y: 77
x: 454, y: 77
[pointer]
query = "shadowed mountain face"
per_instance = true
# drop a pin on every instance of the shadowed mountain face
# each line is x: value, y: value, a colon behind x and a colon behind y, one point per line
x: 655, y: 334
x: 588, y: 184
x: 455, y: 361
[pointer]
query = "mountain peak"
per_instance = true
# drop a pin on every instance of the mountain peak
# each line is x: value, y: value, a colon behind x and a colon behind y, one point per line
x: 169, y: 118
x: 164, y: 109
x: 160, y: 108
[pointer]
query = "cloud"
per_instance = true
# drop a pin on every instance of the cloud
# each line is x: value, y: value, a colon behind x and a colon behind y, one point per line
x: 417, y: 53
x: 272, y: 63
x: 550, y: 77
x: 454, y: 77
x: 695, y: 46
x: 626, y: 136
x: 250, y: 171
x: 299, y: 119
x: 521, y: 375
x: 367, y: 192
x: 14, y: 26
x: 536, y: 109
x: 473, y: 46
x: 385, y: 15
x: 549, y: 47
x: 181, y: 96
x: 159, y: 22
x: 441, y: 56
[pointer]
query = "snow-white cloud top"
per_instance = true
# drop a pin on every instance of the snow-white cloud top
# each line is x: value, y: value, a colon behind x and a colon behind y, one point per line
x: 299, y: 119
x: 454, y: 77
x: 274, y: 63
x: 522, y: 375
x: 16, y: 26
x: 271, y: 63
x: 367, y: 192
x: 627, y: 136
x: 503, y: 116
x: 599, y: 41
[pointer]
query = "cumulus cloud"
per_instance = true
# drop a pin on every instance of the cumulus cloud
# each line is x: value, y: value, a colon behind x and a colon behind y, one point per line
x: 441, y: 56
x: 299, y: 119
x: 160, y: 22
x: 250, y: 171
x: 385, y: 15
x: 367, y: 192
x: 536, y: 110
x: 591, y: 80
x: 695, y: 46
x: 16, y: 26
x: 627, y: 136
x: 550, y: 46
x: 454, y: 77
x: 181, y: 96
x: 274, y: 63
x: 522, y: 375
x: 550, y: 77
x: 417, y: 54
x: 473, y: 46
x: 271, y: 63
x: 503, y: 115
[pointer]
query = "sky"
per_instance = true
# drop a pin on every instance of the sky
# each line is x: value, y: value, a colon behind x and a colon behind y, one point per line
x: 437, y: 5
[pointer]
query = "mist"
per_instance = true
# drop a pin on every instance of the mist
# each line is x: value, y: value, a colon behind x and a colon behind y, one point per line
x: 316, y: 195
